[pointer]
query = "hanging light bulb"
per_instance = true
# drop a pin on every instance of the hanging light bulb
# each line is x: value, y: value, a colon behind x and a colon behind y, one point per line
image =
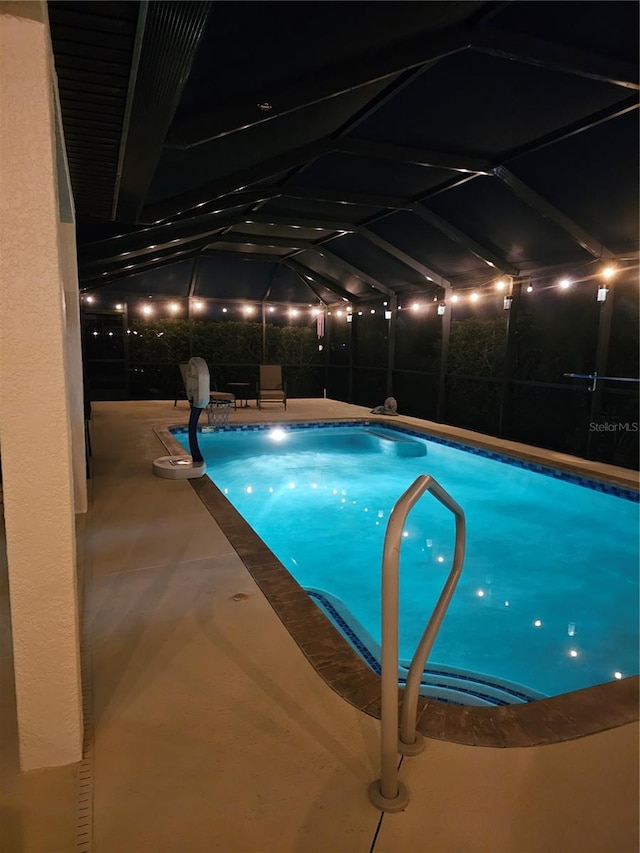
x: 529, y: 288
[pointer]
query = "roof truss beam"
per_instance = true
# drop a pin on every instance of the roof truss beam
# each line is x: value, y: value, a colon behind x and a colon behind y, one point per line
x: 403, y: 257
x: 148, y: 239
x: 486, y: 255
x: 358, y: 273
x: 240, y: 256
x: 265, y: 240
x: 593, y: 120
x: 547, y: 210
x: 556, y: 57
x: 237, y: 181
x: 414, y: 156
x: 310, y: 276
x: 345, y: 197
x: 263, y: 217
x: 331, y: 82
x: 92, y: 282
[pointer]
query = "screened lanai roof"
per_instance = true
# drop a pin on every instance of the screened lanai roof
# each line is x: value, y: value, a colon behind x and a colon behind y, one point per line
x: 345, y: 149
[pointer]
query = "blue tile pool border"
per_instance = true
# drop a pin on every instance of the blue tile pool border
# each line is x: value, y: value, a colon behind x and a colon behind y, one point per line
x: 517, y: 462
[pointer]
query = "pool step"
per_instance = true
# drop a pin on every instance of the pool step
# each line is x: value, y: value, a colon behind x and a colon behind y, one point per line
x: 469, y: 689
x: 403, y: 445
x: 446, y: 684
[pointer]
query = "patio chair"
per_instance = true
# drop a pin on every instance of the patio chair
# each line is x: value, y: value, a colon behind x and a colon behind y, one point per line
x: 271, y: 388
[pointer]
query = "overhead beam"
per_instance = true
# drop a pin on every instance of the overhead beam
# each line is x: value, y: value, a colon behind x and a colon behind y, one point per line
x: 464, y: 240
x: 414, y: 156
x: 403, y: 257
x: 263, y: 217
x: 337, y: 79
x: 149, y: 238
x: 378, y: 101
x: 236, y: 181
x: 310, y: 285
x: 361, y: 274
x: 240, y: 256
x: 96, y: 281
x: 266, y: 240
x: 556, y: 57
x: 319, y: 278
x: 549, y: 211
x: 345, y: 197
x: 170, y: 250
x: 172, y: 33
x: 200, y: 238
x: 627, y: 105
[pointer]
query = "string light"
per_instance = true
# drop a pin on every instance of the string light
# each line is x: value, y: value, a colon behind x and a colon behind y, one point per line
x: 174, y: 307
x: 565, y: 283
x: 198, y: 305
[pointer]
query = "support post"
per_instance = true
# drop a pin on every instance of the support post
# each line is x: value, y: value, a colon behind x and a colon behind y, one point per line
x: 391, y: 351
x: 444, y: 355
x: 602, y: 356
x: 509, y: 359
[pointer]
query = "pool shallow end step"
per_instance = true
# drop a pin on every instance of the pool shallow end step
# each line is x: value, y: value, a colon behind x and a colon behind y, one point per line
x: 402, y: 444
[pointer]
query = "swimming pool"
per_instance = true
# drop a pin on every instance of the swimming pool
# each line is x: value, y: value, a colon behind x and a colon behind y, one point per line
x: 548, y: 597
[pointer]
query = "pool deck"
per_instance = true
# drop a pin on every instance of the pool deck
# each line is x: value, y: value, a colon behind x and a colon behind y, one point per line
x: 211, y: 728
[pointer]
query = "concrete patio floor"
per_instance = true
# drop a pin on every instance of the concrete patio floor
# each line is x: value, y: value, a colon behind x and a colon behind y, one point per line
x: 208, y: 731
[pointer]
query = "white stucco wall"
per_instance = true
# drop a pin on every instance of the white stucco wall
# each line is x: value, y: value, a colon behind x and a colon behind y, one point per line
x: 35, y: 430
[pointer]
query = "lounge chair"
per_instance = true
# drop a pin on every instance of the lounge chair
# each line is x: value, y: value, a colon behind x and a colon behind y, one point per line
x: 271, y: 388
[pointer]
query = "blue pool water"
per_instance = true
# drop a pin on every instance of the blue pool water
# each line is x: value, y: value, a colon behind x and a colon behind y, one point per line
x: 548, y: 597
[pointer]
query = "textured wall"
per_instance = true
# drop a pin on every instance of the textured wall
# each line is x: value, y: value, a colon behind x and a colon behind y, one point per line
x: 34, y: 414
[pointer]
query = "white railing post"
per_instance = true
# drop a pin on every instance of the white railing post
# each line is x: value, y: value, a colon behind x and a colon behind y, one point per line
x: 388, y: 793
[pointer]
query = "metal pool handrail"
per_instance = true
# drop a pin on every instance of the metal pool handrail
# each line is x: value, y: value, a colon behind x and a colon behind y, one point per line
x: 387, y: 793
